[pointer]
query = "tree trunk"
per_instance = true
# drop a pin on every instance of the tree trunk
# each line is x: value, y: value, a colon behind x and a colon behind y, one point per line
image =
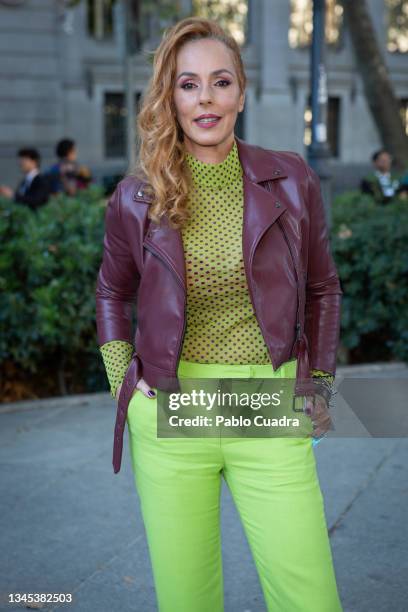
x: 62, y: 384
x: 378, y: 88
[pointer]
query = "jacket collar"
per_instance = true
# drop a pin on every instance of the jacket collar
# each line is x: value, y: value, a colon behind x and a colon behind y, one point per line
x: 258, y: 165
x: 262, y: 207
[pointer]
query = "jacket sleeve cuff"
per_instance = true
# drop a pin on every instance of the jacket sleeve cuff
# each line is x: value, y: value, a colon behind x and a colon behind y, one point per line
x: 116, y: 355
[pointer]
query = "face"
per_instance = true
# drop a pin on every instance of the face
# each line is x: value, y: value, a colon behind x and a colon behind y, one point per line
x: 27, y: 164
x: 72, y: 155
x: 212, y: 88
x: 383, y: 162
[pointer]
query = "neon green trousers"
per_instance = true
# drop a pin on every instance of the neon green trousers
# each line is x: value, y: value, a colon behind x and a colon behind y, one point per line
x: 274, y: 485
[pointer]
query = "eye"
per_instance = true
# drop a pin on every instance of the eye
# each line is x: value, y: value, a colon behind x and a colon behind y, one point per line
x: 184, y: 85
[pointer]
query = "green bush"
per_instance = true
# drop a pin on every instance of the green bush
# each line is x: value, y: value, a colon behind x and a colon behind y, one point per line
x: 48, y: 266
x: 50, y: 258
x: 370, y: 247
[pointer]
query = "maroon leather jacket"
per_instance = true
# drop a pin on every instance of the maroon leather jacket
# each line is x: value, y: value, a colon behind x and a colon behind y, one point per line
x: 291, y: 276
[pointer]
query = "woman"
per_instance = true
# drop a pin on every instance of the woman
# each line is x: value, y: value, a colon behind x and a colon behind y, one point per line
x: 224, y: 247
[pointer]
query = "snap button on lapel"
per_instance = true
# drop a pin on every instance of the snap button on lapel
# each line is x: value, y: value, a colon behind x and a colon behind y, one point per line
x: 276, y: 171
x: 278, y: 204
x: 140, y: 193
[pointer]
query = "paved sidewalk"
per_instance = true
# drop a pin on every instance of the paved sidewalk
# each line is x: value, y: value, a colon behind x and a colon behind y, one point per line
x: 70, y: 525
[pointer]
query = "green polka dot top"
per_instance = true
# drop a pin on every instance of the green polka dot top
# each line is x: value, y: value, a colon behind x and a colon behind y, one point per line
x: 221, y: 326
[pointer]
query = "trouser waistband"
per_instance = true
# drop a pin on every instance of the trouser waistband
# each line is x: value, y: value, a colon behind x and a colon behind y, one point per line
x: 190, y: 369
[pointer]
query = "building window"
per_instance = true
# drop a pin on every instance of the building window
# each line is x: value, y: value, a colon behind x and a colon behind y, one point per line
x: 397, y: 30
x: 333, y: 125
x: 100, y: 18
x: 115, y: 124
x: 232, y: 15
x: 301, y: 23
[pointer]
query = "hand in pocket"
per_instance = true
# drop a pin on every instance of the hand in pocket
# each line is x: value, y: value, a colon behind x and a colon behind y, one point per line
x: 140, y: 386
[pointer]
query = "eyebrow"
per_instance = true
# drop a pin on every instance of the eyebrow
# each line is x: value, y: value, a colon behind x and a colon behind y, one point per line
x: 193, y: 74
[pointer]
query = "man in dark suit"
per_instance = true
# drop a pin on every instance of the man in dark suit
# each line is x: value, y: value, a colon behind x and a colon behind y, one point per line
x: 382, y: 183
x: 34, y: 189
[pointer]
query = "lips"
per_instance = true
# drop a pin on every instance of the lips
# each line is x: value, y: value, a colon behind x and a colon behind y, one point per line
x: 207, y: 118
x: 207, y: 123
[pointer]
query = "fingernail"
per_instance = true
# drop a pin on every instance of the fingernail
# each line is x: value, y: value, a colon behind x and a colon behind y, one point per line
x: 151, y: 393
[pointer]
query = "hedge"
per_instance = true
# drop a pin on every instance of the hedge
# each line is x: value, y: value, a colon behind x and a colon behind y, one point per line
x: 48, y: 265
x: 50, y: 258
x: 370, y: 247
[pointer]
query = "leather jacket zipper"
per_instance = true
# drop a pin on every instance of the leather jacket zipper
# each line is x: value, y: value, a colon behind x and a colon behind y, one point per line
x: 162, y: 259
x: 252, y: 299
x: 182, y: 334
x: 279, y: 221
x: 298, y: 326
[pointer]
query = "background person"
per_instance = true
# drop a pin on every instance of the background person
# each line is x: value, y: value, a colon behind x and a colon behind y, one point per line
x: 67, y: 176
x: 382, y: 184
x: 34, y: 188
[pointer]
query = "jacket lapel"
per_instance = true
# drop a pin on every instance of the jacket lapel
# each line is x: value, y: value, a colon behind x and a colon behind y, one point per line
x: 261, y: 209
x: 167, y: 243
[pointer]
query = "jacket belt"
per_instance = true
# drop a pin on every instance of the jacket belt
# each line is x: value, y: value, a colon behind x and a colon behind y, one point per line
x: 132, y: 377
x: 304, y: 383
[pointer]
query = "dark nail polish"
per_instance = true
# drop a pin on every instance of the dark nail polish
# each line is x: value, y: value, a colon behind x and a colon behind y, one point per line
x: 151, y: 393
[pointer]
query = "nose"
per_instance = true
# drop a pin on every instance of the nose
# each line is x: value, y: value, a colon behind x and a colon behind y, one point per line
x: 205, y: 95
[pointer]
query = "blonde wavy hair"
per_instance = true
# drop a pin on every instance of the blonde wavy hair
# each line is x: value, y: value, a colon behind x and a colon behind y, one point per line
x: 161, y: 159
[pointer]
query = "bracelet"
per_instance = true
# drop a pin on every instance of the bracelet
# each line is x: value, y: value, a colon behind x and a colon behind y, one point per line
x: 325, y: 388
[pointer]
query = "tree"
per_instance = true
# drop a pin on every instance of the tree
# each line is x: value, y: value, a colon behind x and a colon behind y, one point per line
x: 378, y: 88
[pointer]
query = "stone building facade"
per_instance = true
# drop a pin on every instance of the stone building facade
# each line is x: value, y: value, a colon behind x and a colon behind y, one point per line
x: 61, y: 75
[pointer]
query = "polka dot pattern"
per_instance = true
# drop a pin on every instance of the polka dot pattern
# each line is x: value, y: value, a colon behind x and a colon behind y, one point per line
x: 116, y: 356
x: 221, y: 326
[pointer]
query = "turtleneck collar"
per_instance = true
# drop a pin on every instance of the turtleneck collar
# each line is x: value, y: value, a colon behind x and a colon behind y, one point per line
x: 216, y: 176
